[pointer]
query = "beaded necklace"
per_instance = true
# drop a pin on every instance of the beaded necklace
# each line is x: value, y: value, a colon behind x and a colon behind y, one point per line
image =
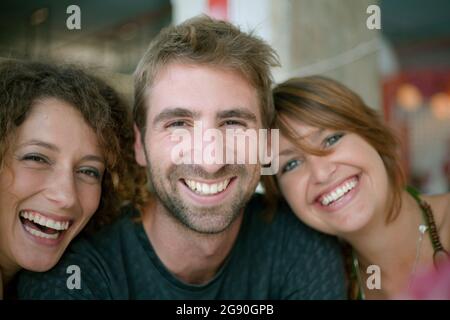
x: 440, y: 254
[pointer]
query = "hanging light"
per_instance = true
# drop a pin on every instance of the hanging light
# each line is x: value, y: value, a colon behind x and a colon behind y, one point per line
x: 128, y: 31
x: 440, y: 105
x: 39, y: 16
x: 409, y: 97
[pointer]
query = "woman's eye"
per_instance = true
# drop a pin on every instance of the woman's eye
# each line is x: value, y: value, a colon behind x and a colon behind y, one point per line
x: 35, y: 158
x: 291, y: 165
x: 331, y: 140
x: 91, y: 173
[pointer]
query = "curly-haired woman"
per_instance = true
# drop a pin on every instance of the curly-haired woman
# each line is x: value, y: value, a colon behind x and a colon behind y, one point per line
x: 65, y: 156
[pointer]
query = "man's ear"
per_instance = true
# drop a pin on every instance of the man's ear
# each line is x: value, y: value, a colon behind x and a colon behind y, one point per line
x: 268, y: 152
x: 139, y: 150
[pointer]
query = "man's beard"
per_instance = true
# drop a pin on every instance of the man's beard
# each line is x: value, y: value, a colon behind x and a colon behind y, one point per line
x: 210, y: 220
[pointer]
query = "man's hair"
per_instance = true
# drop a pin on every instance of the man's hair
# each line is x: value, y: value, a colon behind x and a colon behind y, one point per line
x: 206, y: 41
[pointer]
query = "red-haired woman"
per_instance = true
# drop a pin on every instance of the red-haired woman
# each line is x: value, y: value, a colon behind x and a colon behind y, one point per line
x: 340, y: 173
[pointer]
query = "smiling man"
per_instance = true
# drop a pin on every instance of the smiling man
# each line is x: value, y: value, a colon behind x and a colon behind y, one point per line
x: 204, y: 234
x: 182, y: 94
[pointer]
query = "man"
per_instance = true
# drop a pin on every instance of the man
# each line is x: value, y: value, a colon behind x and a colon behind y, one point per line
x: 204, y: 235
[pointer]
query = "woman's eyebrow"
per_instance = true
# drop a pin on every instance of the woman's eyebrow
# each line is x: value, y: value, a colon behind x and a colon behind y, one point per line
x: 41, y: 143
x: 52, y: 147
x: 286, y: 152
x: 92, y: 157
x: 316, y: 135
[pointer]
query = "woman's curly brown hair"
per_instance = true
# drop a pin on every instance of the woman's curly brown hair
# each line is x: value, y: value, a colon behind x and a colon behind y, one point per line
x: 22, y: 83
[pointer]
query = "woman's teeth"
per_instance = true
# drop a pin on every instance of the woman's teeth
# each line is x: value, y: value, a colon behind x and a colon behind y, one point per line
x: 41, y: 234
x: 45, y: 221
x: 205, y: 188
x: 338, y: 193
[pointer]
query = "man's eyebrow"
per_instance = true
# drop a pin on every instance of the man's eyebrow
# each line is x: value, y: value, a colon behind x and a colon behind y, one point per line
x: 175, y: 113
x: 237, y: 113
x: 42, y: 144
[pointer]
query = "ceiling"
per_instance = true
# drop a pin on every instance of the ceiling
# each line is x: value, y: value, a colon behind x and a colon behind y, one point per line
x: 412, y: 21
x: 419, y: 32
x: 113, y: 31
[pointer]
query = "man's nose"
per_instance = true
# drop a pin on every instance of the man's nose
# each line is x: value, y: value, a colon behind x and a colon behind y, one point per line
x: 211, y: 149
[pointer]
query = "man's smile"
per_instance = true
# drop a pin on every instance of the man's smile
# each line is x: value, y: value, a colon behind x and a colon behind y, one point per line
x: 208, y: 193
x: 207, y: 188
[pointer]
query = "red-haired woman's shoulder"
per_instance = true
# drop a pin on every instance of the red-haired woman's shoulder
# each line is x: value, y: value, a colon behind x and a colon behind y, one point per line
x: 440, y: 205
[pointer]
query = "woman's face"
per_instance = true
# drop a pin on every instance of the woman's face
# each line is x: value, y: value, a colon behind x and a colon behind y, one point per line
x: 50, y: 186
x: 338, y: 193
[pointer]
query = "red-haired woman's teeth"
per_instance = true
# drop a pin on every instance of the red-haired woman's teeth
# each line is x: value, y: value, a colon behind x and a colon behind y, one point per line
x: 338, y: 193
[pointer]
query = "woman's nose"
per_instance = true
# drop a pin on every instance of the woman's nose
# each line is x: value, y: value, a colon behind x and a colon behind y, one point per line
x: 61, y: 190
x: 322, y: 169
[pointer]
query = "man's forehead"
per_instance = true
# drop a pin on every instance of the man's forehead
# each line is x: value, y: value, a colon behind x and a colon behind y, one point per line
x: 202, y: 90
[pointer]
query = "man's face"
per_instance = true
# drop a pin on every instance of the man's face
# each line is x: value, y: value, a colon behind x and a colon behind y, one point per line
x: 205, y: 196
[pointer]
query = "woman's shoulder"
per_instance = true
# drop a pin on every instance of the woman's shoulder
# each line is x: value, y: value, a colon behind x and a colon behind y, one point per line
x: 440, y: 204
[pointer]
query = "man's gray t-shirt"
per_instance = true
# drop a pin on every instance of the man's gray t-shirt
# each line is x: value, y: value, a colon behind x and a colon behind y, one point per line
x: 281, y: 259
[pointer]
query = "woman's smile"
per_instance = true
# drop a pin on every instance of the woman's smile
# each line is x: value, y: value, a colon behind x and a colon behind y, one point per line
x: 44, y: 229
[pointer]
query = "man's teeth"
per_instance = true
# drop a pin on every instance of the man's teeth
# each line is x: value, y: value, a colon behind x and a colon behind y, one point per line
x: 338, y: 193
x: 205, y: 188
x: 41, y: 234
x: 45, y: 221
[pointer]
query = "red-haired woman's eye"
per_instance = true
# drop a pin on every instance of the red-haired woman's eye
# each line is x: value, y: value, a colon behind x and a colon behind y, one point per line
x: 333, y: 139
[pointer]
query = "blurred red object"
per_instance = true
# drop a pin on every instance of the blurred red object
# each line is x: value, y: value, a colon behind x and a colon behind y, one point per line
x: 431, y: 285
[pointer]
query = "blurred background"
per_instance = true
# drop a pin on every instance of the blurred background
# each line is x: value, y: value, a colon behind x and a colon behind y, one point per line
x: 400, y: 67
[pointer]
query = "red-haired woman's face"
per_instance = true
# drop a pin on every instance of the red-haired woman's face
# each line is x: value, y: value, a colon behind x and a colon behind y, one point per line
x: 50, y: 186
x: 339, y: 193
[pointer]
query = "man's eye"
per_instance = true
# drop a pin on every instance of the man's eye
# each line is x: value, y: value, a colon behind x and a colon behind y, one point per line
x: 234, y: 123
x: 331, y: 140
x: 178, y: 123
x: 291, y: 165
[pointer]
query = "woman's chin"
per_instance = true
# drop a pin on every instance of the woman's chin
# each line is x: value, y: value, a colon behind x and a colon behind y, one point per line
x: 341, y: 228
x: 39, y: 255
x: 39, y: 262
x: 350, y: 227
